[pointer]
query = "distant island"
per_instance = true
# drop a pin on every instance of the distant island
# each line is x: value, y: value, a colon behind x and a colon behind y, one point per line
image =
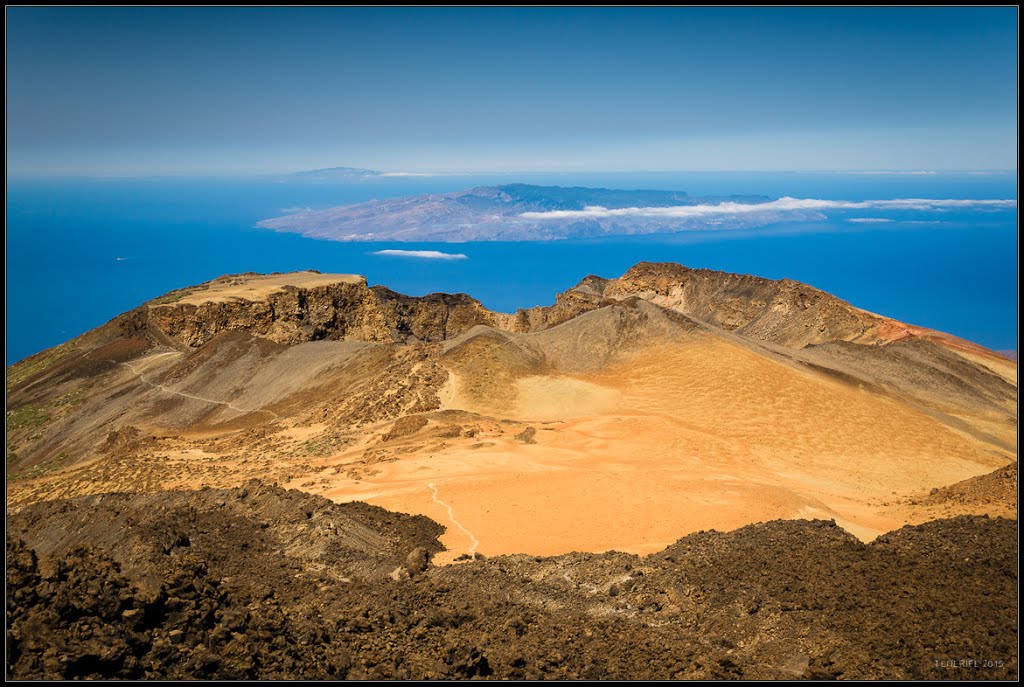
x: 524, y: 212
x: 335, y: 174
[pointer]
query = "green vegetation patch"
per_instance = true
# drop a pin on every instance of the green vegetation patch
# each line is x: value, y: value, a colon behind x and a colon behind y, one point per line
x: 40, y: 469
x: 324, y: 445
x: 176, y: 295
x: 167, y: 298
x: 28, y: 415
x: 74, y: 397
x: 34, y: 364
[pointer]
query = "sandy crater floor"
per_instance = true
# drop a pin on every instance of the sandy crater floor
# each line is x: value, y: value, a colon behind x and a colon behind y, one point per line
x: 665, y: 445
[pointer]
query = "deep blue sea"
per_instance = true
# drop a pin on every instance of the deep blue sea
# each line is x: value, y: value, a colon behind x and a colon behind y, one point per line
x: 80, y: 251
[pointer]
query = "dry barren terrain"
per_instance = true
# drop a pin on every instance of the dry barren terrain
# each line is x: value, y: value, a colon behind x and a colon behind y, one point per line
x: 622, y: 423
x: 629, y: 414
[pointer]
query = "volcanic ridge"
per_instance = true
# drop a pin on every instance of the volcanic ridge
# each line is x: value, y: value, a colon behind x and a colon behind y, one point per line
x: 673, y: 473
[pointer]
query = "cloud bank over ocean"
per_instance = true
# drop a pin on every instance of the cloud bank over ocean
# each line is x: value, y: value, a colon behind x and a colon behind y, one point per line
x: 785, y: 204
x: 421, y: 254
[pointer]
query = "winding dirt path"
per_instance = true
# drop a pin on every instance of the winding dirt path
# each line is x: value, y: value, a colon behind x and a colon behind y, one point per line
x: 184, y: 394
x: 451, y: 516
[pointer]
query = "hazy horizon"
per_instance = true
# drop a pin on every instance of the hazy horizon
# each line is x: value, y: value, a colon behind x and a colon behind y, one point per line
x: 398, y: 173
x: 129, y: 91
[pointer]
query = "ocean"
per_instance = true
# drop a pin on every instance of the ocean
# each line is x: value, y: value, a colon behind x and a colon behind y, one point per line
x: 81, y: 251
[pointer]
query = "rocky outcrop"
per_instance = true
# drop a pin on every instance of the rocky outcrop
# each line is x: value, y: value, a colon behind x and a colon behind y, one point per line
x: 783, y: 312
x: 339, y: 312
x: 431, y: 318
x: 568, y: 304
x: 999, y: 486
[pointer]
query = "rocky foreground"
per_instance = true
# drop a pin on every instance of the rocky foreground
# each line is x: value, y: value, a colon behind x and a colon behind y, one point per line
x: 260, y: 582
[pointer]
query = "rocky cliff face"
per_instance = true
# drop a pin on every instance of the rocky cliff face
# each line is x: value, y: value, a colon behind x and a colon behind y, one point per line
x: 784, y: 312
x: 338, y: 312
x: 568, y: 304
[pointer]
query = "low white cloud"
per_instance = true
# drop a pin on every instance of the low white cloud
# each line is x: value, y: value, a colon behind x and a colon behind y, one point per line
x: 295, y: 210
x: 869, y: 220
x: 919, y: 172
x: 413, y: 174
x: 422, y: 254
x: 785, y: 204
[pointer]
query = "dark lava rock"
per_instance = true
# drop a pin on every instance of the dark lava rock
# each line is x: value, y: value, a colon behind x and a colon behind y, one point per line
x: 264, y: 583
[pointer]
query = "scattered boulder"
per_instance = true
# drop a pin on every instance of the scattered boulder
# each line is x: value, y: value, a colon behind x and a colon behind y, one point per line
x: 527, y: 436
x: 417, y: 561
x: 405, y: 426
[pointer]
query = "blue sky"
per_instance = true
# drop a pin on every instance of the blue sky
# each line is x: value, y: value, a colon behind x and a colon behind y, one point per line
x: 98, y: 91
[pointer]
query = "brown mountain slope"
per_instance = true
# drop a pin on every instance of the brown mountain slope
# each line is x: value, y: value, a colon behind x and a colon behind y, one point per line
x: 630, y: 412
